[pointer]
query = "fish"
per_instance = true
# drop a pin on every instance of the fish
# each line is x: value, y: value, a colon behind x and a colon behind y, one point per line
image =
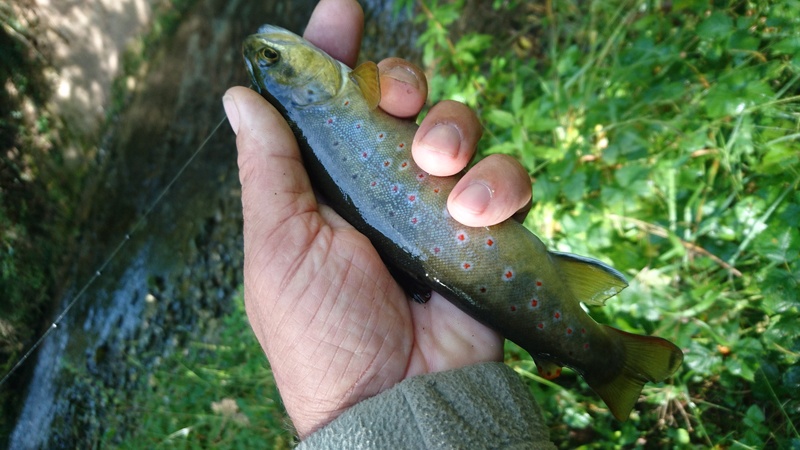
x: 359, y: 158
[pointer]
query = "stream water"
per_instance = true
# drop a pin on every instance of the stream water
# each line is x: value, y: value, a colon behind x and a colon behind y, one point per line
x: 183, y: 266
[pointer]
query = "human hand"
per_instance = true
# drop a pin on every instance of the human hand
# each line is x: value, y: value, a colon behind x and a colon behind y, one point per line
x: 334, y: 324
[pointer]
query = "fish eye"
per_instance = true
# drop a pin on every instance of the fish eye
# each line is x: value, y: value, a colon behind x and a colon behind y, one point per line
x: 269, y: 55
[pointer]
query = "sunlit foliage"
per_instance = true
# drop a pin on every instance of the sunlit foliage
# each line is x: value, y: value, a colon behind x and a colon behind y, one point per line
x: 661, y: 137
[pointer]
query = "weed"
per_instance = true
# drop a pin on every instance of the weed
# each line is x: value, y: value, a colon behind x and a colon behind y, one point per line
x: 661, y: 138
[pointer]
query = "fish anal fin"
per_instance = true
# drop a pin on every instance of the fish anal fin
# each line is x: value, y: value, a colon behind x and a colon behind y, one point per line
x: 644, y: 358
x: 368, y: 79
x: 547, y: 369
x: 592, y: 281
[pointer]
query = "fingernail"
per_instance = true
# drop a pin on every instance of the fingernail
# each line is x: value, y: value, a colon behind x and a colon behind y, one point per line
x: 231, y: 111
x: 403, y: 75
x: 443, y: 138
x: 475, y: 197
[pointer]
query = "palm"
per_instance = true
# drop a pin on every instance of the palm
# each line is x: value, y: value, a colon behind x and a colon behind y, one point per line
x: 341, y: 326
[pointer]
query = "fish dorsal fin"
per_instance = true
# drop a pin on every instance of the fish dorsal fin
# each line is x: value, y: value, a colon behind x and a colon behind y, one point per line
x: 366, y: 77
x: 592, y: 281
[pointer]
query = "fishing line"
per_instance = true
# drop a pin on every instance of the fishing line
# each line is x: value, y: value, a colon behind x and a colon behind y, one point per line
x: 139, y: 224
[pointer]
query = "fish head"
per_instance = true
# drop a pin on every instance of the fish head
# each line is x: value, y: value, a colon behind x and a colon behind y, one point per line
x: 287, y: 68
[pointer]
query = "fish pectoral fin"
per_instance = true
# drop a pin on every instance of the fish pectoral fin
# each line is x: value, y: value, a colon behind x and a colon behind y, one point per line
x: 547, y: 369
x: 592, y: 281
x: 368, y: 79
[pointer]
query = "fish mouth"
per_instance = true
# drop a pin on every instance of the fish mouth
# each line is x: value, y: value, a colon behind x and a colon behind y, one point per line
x: 252, y: 44
x: 250, y: 48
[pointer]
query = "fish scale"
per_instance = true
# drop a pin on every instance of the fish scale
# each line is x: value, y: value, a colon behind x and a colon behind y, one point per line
x: 405, y: 201
x: 360, y: 159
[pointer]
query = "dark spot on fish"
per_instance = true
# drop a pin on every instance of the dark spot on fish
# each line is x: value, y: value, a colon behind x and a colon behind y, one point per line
x: 355, y: 176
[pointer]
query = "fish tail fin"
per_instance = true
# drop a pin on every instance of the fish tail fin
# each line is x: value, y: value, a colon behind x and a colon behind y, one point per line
x: 645, y: 358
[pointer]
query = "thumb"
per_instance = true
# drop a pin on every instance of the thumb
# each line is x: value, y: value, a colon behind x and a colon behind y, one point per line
x: 275, y: 185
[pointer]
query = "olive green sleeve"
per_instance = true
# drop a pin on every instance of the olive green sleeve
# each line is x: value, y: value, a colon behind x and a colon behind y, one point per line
x: 480, y: 406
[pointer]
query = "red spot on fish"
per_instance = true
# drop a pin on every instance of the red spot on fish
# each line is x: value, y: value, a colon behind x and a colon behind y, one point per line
x: 482, y: 289
x: 420, y: 176
x: 437, y: 250
x: 374, y: 183
x: 414, y: 221
x: 513, y: 308
x: 435, y: 190
x: 364, y: 155
x: 583, y: 330
x: 541, y: 325
x: 395, y: 188
x: 466, y: 266
x: 381, y: 136
x: 401, y: 145
x: 586, y: 346
x: 489, y: 242
x: 557, y: 315
x: 386, y: 163
x: 508, y: 275
x: 461, y: 237
x: 358, y: 126
x: 330, y: 120
x: 569, y: 330
x: 412, y: 198
x: 404, y: 164
x: 538, y: 283
x: 534, y: 303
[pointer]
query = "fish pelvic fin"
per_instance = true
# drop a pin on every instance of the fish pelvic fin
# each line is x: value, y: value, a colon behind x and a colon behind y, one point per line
x: 547, y: 369
x: 592, y: 281
x: 645, y: 358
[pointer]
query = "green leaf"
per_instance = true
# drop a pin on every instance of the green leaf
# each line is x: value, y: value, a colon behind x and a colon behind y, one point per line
x: 740, y: 369
x: 754, y: 416
x: 500, y: 118
x: 544, y: 190
x: 633, y: 177
x: 506, y: 148
x: 787, y: 46
x: 777, y: 158
x: 717, y: 25
x: 575, y: 186
x: 743, y: 40
x: 516, y: 99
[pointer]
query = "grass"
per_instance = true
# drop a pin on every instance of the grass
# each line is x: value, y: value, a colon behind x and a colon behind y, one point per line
x: 661, y: 138
x: 215, y: 393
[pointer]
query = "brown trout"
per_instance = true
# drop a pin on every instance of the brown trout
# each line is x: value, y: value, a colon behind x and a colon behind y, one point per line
x: 359, y: 159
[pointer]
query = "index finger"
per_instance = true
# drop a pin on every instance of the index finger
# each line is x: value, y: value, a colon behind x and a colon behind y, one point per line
x: 336, y: 26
